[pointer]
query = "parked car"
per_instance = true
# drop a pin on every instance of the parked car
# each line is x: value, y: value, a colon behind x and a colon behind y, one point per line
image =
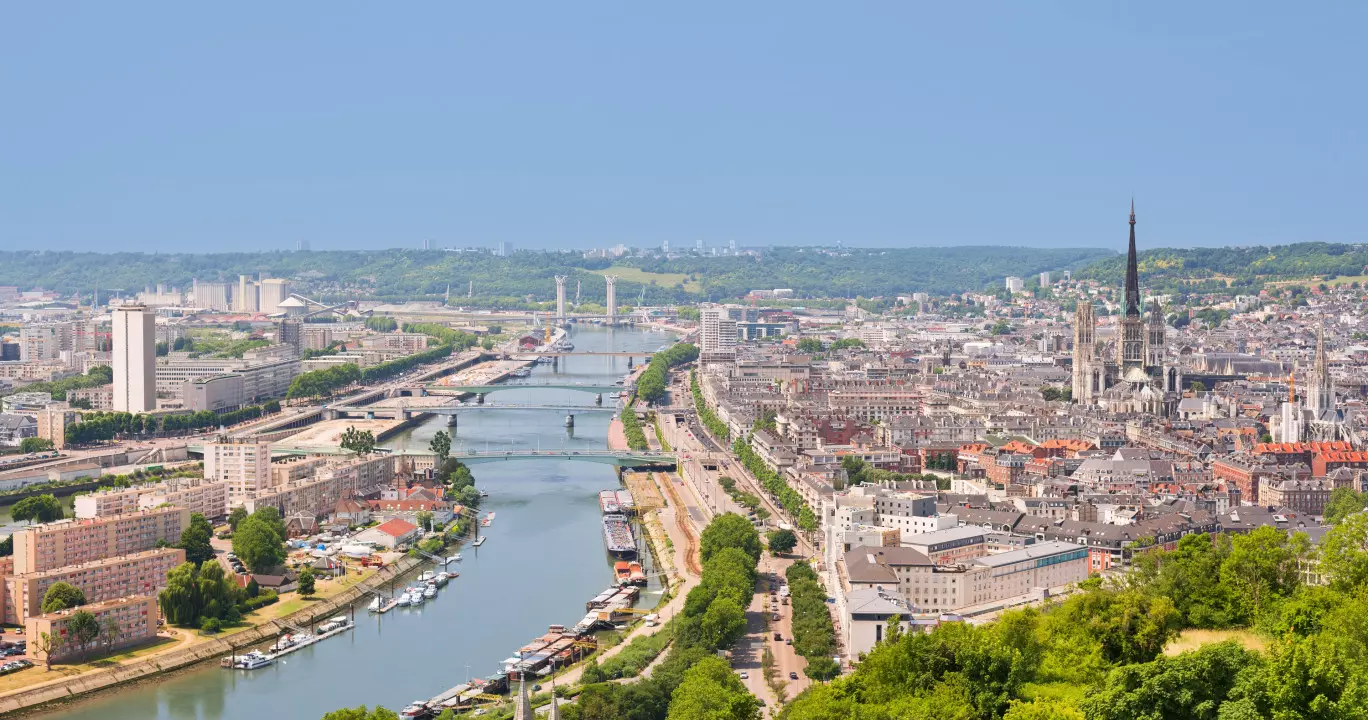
x: 793, y: 675
x: 778, y: 636
x: 743, y: 675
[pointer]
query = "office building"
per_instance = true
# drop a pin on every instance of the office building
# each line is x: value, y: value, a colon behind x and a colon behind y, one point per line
x: 142, y: 573
x: 135, y: 354
x: 71, y: 542
x: 136, y: 615
x: 272, y: 292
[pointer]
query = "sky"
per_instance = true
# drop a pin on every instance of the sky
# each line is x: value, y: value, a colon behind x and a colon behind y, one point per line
x: 173, y: 126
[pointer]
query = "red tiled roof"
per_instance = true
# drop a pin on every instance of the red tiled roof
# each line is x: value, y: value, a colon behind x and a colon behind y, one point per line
x: 397, y: 528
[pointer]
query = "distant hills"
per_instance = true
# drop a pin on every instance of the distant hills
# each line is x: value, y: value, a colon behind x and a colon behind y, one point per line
x: 526, y: 277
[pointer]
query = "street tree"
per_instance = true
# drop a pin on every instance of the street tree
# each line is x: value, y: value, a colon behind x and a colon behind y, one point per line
x: 306, y: 581
x: 236, y: 517
x: 259, y: 543
x: 84, y: 628
x: 49, y: 644
x: 440, y: 446
x: 781, y: 541
x: 729, y: 530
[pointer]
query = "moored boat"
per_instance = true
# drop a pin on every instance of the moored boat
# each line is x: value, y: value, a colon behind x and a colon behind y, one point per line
x: 375, y: 605
x: 608, y: 502
x: 622, y: 572
x: 617, y: 535
x: 637, y: 574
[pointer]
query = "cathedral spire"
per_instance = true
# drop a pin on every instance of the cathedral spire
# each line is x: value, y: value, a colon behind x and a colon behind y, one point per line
x: 1132, y: 272
x: 1320, y: 350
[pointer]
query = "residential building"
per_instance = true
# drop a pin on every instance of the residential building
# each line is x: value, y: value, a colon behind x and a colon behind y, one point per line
x: 135, y: 379
x: 198, y: 495
x: 245, y: 465
x: 142, y: 573
x: 717, y: 336
x: 71, y: 542
x: 136, y: 615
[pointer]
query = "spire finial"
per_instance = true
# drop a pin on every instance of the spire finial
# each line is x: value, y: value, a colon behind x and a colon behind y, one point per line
x: 1132, y: 217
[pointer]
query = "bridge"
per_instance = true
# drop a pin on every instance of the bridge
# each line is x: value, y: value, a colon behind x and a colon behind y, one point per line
x: 391, y: 411
x: 486, y: 389
x: 617, y: 458
x: 577, y: 353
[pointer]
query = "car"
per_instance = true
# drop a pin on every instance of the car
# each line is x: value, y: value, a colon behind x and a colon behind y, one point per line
x: 778, y: 636
x: 775, y: 616
x: 788, y: 641
x: 793, y: 675
x: 743, y: 675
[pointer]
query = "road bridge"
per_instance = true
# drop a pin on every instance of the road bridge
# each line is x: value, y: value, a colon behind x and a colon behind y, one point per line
x: 390, y: 411
x: 486, y: 389
x: 618, y: 458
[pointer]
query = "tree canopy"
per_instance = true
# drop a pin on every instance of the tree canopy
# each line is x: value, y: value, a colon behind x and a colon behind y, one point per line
x: 62, y: 596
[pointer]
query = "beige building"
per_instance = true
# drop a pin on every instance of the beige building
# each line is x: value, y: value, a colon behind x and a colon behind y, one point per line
x: 70, y: 542
x: 211, y: 295
x: 141, y: 573
x: 52, y: 424
x: 273, y: 291
x: 317, y: 495
x: 245, y: 465
x: 198, y: 495
x: 135, y: 369
x: 136, y: 616
x: 245, y: 299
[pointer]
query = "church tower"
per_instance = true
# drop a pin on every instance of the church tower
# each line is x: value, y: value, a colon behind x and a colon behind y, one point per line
x: 1320, y: 393
x: 1130, y: 346
x: 1087, y: 371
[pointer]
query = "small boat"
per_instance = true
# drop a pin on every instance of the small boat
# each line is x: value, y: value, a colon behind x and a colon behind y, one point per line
x: 430, y: 593
x: 453, y: 558
x: 339, y: 622
x: 404, y: 600
x: 622, y: 571
x: 416, y: 598
x: 480, y: 541
x: 427, y: 575
x: 288, y: 641
x: 375, y: 605
x: 416, y: 710
x: 253, y: 660
x: 638, y: 575
x: 442, y: 578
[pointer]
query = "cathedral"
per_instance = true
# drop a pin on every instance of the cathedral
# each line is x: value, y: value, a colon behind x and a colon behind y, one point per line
x: 1139, y: 379
x: 1317, y: 418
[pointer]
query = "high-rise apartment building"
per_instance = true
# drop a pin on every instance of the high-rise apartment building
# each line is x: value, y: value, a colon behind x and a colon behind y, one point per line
x: 717, y: 336
x: 245, y: 465
x: 38, y: 548
x: 273, y: 291
x: 1015, y: 284
x: 135, y: 355
x: 142, y: 573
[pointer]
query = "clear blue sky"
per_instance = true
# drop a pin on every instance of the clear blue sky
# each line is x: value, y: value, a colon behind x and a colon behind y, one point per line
x: 215, y: 126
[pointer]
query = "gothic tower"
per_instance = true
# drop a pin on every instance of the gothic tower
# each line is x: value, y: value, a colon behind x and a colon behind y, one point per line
x: 1130, y: 344
x: 1320, y: 394
x: 1087, y: 371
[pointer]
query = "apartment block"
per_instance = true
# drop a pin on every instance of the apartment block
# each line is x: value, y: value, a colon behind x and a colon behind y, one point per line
x: 141, y: 573
x: 245, y: 465
x: 198, y: 495
x: 71, y: 542
x: 134, y: 359
x: 136, y: 615
x: 318, y: 495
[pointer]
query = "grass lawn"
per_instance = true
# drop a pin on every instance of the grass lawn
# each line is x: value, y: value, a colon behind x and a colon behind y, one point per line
x: 1193, y: 639
x: 635, y: 275
x: 39, y: 673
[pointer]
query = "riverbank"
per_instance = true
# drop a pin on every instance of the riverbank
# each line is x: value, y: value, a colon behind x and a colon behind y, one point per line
x: 81, y: 686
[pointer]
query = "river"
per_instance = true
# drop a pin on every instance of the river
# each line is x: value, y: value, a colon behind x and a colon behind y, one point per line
x: 543, y: 560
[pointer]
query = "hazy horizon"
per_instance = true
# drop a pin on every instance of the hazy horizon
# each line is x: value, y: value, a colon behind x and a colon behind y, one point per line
x: 157, y: 128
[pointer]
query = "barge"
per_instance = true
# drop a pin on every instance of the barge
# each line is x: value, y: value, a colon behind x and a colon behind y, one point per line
x: 608, y: 502
x: 617, y: 535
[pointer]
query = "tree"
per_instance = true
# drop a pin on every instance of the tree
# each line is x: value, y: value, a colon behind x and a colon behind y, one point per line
x: 711, y: 691
x: 809, y: 345
x: 1197, y: 386
x: 235, y: 517
x: 194, y: 540
x: 7, y: 546
x: 84, y: 628
x: 1264, y: 565
x: 49, y: 644
x: 1344, y: 552
x: 469, y: 496
x: 361, y: 713
x: 259, y: 543
x: 62, y: 596
x: 1192, y: 685
x: 361, y: 442
x: 306, y: 581
x: 440, y: 446
x: 180, y: 600
x: 110, y: 632
x: 34, y: 444
x: 1344, y: 502
x: 781, y: 541
x: 729, y: 530
x: 723, y: 623
x: 42, y: 508
x: 424, y: 518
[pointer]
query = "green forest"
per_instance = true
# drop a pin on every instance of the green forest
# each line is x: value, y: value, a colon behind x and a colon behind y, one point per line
x: 401, y: 274
x: 1237, y: 268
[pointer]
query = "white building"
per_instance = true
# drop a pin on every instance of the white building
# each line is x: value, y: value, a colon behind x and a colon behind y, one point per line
x: 1015, y: 284
x: 135, y: 355
x: 211, y: 295
x: 245, y: 299
x: 1045, y: 279
x: 717, y: 336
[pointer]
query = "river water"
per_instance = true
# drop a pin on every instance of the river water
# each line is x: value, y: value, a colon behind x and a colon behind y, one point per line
x: 544, y: 558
